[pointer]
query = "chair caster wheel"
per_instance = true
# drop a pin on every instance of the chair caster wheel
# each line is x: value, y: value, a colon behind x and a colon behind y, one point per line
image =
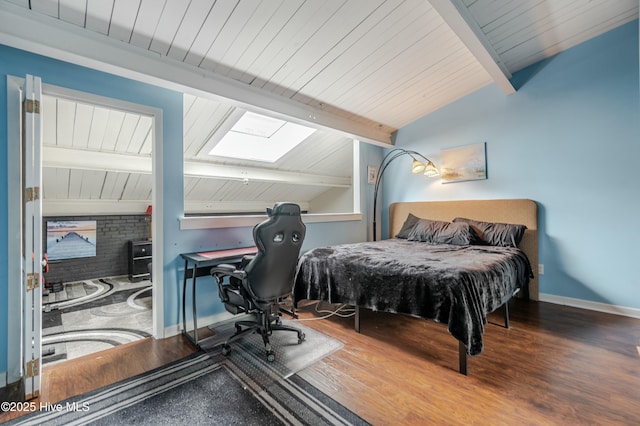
x: 271, y: 356
x: 301, y: 338
x: 226, y: 350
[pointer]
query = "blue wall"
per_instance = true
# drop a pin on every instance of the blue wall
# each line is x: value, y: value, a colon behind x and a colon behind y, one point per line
x: 568, y: 139
x: 19, y: 63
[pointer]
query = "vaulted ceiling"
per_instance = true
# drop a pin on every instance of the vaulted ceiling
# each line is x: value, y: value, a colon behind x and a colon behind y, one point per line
x: 94, y: 153
x: 362, y: 67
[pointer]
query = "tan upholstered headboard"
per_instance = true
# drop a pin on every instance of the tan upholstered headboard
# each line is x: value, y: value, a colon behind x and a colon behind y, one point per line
x: 521, y: 212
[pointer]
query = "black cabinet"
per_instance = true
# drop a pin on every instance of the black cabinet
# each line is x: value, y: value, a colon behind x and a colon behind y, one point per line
x: 139, y: 259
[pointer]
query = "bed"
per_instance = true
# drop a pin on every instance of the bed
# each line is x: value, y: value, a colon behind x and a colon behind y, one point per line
x: 445, y: 267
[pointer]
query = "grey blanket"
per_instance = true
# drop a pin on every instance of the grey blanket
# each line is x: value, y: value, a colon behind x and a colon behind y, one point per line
x: 454, y: 285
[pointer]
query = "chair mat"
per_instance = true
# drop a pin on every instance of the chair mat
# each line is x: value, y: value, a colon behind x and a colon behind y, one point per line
x: 290, y: 357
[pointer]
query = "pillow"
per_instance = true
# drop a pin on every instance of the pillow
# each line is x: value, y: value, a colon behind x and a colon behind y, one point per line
x: 408, y: 225
x: 495, y: 233
x: 439, y: 232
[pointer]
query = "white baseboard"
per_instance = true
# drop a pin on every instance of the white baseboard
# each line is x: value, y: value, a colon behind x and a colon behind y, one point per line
x: 174, y: 330
x: 592, y: 306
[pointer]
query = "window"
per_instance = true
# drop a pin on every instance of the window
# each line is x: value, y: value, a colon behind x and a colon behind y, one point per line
x: 260, y: 138
x: 238, y: 162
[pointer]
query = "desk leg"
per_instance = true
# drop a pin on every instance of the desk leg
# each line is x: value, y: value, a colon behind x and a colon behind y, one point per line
x: 184, y: 298
x: 193, y: 339
x: 193, y: 304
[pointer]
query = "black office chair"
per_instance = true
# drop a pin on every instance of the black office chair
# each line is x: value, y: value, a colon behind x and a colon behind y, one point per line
x: 263, y: 281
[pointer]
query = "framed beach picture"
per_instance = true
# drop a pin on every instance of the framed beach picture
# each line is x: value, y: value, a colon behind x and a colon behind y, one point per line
x: 68, y: 239
x: 463, y: 163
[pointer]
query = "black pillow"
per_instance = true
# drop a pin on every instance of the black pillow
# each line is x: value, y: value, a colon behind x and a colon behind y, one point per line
x: 496, y: 233
x: 408, y: 225
x: 439, y: 232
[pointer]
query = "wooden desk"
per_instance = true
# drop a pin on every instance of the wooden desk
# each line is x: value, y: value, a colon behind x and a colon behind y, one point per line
x: 203, y: 260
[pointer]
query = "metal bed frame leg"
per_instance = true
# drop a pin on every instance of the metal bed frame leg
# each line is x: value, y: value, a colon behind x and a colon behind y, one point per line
x: 462, y: 357
x: 506, y: 308
x: 506, y: 314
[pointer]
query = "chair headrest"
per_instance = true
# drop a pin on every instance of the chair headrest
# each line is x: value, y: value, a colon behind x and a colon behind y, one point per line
x: 284, y: 209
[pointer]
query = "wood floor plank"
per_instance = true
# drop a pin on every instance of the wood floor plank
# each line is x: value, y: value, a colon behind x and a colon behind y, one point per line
x: 555, y: 365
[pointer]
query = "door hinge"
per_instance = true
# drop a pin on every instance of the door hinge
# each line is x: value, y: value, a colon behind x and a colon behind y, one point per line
x: 33, y: 368
x: 32, y: 193
x: 33, y: 281
x: 32, y: 106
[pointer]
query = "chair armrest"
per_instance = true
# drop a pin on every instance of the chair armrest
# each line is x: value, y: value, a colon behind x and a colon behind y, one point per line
x: 226, y: 270
x: 223, y: 269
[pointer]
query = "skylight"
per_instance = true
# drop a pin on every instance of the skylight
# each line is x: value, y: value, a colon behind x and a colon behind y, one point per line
x: 260, y: 138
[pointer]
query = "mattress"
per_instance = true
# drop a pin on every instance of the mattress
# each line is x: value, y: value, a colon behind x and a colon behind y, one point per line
x: 451, y: 284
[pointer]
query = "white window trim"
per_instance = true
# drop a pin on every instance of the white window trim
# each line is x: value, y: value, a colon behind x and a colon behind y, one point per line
x: 240, y: 221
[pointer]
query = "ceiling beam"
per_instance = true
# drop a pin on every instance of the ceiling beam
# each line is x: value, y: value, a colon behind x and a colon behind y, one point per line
x: 459, y: 19
x: 69, y: 158
x: 93, y: 207
x: 57, y: 39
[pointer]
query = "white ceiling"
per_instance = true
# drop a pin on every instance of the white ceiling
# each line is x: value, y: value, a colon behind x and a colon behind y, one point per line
x: 102, y: 154
x: 369, y: 66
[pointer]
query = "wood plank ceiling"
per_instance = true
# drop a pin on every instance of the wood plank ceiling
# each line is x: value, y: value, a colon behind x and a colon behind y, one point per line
x: 381, y: 64
x: 96, y: 153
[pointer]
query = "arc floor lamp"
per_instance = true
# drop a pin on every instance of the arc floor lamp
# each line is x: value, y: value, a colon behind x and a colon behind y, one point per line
x: 426, y: 167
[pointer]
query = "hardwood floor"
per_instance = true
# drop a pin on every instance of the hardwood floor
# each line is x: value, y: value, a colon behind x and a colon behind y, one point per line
x: 555, y: 365
x: 80, y: 375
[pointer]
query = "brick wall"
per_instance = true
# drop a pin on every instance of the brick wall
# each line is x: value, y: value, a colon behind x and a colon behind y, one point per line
x: 112, y: 236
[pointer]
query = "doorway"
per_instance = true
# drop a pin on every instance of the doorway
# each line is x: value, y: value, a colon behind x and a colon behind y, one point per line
x: 79, y: 157
x: 92, y: 301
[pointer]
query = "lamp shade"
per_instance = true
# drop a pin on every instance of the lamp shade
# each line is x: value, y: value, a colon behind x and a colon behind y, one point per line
x: 417, y: 167
x: 431, y: 170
